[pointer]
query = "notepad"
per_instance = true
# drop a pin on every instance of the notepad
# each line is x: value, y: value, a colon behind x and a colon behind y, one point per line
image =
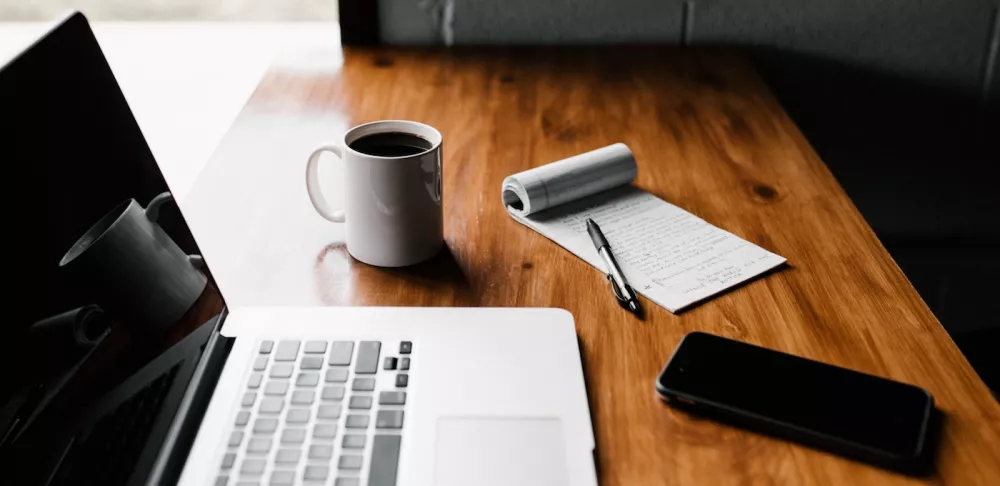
x: 669, y: 255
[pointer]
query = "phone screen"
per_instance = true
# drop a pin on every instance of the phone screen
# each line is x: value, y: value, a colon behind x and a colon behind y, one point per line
x: 835, y: 402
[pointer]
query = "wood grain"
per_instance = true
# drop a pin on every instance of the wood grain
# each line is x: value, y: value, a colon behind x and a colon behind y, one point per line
x: 708, y: 136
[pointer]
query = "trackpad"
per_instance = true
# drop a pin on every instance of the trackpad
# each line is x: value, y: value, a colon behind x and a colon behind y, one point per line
x: 500, y: 451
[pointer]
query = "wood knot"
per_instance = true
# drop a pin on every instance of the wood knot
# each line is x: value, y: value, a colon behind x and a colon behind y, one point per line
x: 765, y: 191
x: 527, y: 266
x: 738, y: 125
x: 506, y: 78
x: 555, y: 125
x: 383, y: 62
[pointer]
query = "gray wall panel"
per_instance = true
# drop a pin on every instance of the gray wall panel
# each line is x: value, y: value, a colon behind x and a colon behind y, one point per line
x: 566, y: 21
x: 942, y: 42
x: 409, y: 21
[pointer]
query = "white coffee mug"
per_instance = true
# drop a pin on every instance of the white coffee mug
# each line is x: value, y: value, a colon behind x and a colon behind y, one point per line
x: 392, y: 209
x: 134, y: 270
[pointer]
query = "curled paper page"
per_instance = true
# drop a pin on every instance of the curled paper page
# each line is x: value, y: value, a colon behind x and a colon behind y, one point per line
x: 569, y: 179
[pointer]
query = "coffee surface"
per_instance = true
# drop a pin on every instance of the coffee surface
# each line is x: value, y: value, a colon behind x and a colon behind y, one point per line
x: 393, y: 144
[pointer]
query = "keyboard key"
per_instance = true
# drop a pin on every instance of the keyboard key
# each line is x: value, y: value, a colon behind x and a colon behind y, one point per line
x: 222, y: 481
x: 265, y: 426
x: 347, y: 482
x: 392, y: 398
x: 276, y: 387
x: 260, y: 363
x: 389, y: 419
x: 336, y: 375
x: 271, y: 405
x: 287, y: 351
x: 303, y: 397
x: 248, y: 399
x: 340, y: 353
x: 235, y: 439
x: 324, y: 431
x: 266, y: 346
x: 356, y: 421
x: 389, y: 363
x: 405, y: 347
x: 261, y: 445
x: 315, y: 347
x: 307, y: 379
x: 360, y: 403
x: 228, y: 460
x: 248, y: 482
x: 242, y: 418
x: 288, y: 456
x: 404, y: 364
x: 316, y: 473
x: 282, y: 370
x: 335, y: 393
x: 363, y: 384
x: 352, y: 441
x: 402, y: 380
x: 349, y: 462
x: 367, y: 357
x: 319, y: 451
x: 255, y: 379
x: 311, y: 363
x: 384, y: 461
x: 282, y: 478
x: 297, y: 416
x: 252, y: 466
x: 328, y: 412
x: 293, y: 436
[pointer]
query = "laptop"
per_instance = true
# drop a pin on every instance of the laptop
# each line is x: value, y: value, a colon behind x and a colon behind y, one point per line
x: 121, y: 364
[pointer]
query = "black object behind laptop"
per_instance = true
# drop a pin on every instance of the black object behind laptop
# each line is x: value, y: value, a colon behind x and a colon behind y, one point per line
x: 837, y: 409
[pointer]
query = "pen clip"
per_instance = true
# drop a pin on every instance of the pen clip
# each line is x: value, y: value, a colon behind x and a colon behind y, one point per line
x: 617, y: 290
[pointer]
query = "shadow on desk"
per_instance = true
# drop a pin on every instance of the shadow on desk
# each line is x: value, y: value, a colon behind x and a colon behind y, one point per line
x: 918, y: 161
x: 925, y: 465
x: 441, y: 270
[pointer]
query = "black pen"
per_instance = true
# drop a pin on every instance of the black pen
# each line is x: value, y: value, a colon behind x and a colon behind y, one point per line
x: 623, y: 291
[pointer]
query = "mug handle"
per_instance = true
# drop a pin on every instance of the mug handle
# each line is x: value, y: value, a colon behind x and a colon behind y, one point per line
x: 152, y: 210
x: 312, y: 184
x: 152, y: 213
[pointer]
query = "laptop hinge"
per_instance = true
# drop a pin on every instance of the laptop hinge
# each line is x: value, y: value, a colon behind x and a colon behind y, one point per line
x: 176, y: 445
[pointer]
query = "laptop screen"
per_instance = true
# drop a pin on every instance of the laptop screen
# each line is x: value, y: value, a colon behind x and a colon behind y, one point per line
x: 106, y: 273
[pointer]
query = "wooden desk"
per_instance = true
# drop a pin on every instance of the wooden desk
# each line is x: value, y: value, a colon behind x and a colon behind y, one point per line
x: 707, y: 135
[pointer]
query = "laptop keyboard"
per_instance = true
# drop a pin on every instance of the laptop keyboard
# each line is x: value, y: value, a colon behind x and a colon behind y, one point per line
x: 109, y: 450
x: 319, y: 412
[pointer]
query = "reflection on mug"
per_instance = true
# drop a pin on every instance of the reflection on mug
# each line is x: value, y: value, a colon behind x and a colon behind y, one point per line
x: 134, y: 270
x: 432, y: 178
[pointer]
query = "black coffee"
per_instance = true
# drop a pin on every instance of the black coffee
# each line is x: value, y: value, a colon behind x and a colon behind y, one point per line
x: 392, y: 144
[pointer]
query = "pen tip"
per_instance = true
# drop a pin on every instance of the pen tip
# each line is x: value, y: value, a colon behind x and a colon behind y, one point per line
x: 633, y: 305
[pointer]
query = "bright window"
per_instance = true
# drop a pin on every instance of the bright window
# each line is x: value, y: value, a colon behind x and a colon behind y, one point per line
x: 239, y: 10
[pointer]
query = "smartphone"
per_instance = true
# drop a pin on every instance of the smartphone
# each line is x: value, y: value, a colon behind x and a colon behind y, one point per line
x: 828, y: 407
